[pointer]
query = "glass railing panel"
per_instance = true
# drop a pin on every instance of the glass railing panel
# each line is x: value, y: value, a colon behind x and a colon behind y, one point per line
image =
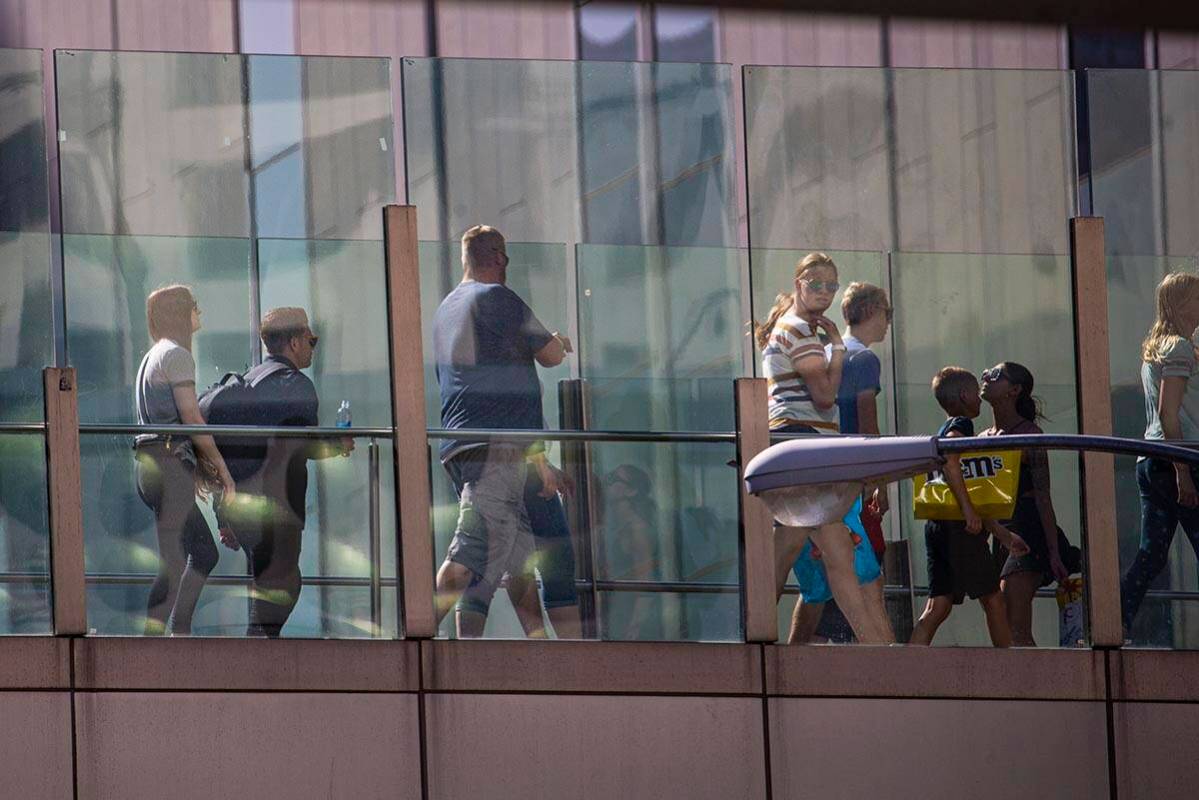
x: 345, y: 591
x: 24, y: 536
x: 661, y: 335
x: 938, y: 160
x: 976, y: 311
x: 1143, y: 159
x: 649, y: 546
x: 26, y: 334
x: 609, y: 152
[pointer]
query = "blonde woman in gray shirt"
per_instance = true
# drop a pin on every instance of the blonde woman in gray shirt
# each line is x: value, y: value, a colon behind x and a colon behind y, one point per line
x: 172, y: 469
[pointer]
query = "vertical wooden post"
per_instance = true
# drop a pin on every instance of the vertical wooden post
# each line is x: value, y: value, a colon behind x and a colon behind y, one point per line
x: 1093, y: 358
x: 411, y: 444
x: 755, y: 520
x: 65, y: 495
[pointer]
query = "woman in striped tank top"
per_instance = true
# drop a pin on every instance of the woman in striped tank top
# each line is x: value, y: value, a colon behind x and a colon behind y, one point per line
x: 803, y: 386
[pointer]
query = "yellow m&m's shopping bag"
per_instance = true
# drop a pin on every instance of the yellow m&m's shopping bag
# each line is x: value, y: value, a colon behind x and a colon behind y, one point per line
x: 991, y: 481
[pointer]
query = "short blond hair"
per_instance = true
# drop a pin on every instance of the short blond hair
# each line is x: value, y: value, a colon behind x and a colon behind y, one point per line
x: 480, y: 242
x: 280, y: 326
x: 861, y: 300
x: 949, y: 383
x: 169, y: 314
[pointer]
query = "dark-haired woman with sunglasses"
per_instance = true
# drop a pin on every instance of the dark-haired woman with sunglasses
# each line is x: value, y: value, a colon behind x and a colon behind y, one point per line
x: 1008, y: 387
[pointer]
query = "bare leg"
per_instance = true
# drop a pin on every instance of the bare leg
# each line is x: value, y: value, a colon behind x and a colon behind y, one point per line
x: 837, y: 546
x: 788, y: 542
x: 522, y: 591
x: 804, y: 621
x: 936, y: 611
x: 470, y: 624
x: 452, y: 580
x: 876, y: 602
x: 995, y: 607
x: 1019, y: 591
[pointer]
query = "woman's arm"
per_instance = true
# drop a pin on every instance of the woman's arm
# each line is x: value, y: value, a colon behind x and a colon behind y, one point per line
x: 189, y: 414
x: 823, y: 378
x: 1169, y: 404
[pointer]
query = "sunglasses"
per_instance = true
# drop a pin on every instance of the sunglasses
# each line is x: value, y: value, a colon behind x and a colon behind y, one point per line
x: 993, y: 374
x: 312, y: 340
x: 821, y: 286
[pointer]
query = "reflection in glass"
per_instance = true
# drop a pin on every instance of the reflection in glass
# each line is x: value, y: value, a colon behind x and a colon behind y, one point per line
x: 609, y: 152
x: 26, y: 343
x: 660, y: 335
x: 24, y: 536
x: 121, y: 554
x: 973, y: 160
x: 654, y: 525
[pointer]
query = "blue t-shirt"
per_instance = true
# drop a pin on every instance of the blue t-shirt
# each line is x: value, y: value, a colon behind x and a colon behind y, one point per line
x: 962, y: 426
x: 484, y: 339
x: 860, y: 372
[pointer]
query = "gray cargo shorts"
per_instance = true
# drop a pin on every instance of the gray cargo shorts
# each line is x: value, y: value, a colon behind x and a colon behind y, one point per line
x: 493, y: 535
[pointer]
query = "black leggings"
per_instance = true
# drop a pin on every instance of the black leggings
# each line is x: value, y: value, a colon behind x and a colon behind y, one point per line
x: 273, y: 550
x: 186, y: 552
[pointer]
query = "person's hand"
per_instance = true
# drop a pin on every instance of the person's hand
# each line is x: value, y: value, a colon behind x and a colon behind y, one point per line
x: 566, y: 345
x: 566, y: 484
x: 974, y: 523
x: 347, y: 445
x: 228, y: 487
x: 228, y: 538
x: 1187, y: 496
x: 830, y: 329
x: 549, y: 477
x: 1060, y: 573
x: 882, y: 503
x: 1016, y: 545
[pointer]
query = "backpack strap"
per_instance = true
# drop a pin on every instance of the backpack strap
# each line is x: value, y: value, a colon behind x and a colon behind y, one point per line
x: 266, y: 369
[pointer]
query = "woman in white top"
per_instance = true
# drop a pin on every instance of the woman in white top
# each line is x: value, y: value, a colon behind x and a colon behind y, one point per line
x: 803, y: 386
x: 172, y: 469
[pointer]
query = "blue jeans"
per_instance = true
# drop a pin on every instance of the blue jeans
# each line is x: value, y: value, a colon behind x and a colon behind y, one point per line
x: 1160, y: 517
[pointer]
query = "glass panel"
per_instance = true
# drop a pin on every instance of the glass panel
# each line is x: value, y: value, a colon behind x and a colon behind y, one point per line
x: 660, y: 335
x: 655, y: 524
x: 973, y: 160
x: 600, y: 152
x: 608, y: 31
x: 1143, y: 162
x: 24, y: 536
x: 26, y: 343
x: 188, y: 143
x: 684, y: 33
x: 343, y: 286
x: 945, y: 314
x: 122, y: 551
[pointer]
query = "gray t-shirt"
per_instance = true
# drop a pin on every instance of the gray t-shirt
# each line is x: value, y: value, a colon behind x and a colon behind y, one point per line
x: 165, y: 366
x: 1178, y: 362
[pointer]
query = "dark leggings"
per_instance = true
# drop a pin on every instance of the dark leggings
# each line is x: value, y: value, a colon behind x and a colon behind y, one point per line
x: 186, y: 552
x: 273, y: 550
x: 1160, y: 517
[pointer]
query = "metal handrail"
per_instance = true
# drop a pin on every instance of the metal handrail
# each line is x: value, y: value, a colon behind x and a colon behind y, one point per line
x: 22, y: 427
x: 540, y: 435
x: 296, y: 432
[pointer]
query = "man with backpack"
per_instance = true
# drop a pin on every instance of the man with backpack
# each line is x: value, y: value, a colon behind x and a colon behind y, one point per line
x: 268, y: 519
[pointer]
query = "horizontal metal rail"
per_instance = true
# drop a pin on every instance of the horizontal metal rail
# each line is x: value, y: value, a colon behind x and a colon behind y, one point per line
x: 648, y: 587
x: 525, y: 435
x: 296, y: 432
x: 22, y: 427
x: 1172, y: 451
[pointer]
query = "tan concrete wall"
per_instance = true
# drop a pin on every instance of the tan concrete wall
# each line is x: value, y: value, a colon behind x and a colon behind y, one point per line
x: 204, y: 745
x: 35, y: 745
x: 1155, y: 750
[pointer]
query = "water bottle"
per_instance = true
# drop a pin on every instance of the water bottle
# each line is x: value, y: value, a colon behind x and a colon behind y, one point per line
x: 343, y: 414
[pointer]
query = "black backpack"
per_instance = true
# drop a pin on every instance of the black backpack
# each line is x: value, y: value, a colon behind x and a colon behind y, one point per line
x: 243, y: 399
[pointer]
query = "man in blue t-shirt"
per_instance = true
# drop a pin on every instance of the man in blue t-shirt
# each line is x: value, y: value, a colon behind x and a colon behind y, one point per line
x: 486, y: 344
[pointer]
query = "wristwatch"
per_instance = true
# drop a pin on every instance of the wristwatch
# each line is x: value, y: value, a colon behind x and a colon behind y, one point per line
x: 838, y: 347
